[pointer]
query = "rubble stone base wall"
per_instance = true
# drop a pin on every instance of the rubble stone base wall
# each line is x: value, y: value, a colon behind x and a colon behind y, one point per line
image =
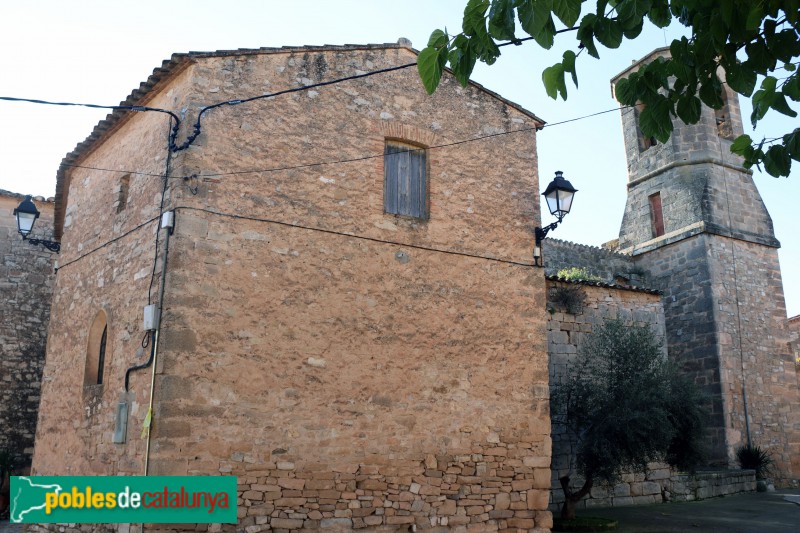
x: 660, y: 484
x: 26, y: 285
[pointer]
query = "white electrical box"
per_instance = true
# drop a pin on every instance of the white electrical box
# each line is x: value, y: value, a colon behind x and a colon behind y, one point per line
x: 150, y: 317
x: 168, y: 219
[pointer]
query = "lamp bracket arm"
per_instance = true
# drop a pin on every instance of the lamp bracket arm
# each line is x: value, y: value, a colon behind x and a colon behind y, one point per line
x: 53, y: 246
x: 541, y: 233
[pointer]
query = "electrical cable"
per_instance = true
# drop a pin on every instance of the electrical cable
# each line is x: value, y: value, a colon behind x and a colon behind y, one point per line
x: 352, y: 235
x: 433, y: 147
x: 109, y: 242
x: 197, y: 125
x: 366, y: 157
x: 167, y: 169
x: 137, y: 172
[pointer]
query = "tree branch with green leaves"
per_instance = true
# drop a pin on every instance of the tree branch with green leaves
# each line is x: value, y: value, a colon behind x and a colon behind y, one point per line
x: 750, y: 40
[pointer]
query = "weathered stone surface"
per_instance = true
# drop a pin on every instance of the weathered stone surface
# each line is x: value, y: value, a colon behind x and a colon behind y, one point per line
x: 320, y: 350
x: 26, y: 284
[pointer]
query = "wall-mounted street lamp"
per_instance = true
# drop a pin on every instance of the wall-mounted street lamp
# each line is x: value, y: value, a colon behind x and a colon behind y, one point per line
x: 559, y: 194
x: 27, y: 214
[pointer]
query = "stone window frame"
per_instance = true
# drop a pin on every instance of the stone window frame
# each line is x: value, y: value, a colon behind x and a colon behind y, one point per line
x: 123, y: 191
x: 656, y: 214
x: 406, y: 179
x: 97, y: 352
x: 722, y: 118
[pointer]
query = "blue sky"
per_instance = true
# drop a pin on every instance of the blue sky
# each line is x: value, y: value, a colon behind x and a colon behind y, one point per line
x: 98, y: 51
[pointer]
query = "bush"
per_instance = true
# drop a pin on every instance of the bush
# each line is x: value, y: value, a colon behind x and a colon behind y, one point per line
x: 753, y: 457
x: 577, y: 274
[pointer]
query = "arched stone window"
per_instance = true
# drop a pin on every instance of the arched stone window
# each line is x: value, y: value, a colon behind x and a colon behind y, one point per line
x: 122, y: 193
x: 96, y: 350
x: 723, y: 118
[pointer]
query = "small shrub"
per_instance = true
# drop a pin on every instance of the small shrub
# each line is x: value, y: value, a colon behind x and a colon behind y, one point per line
x: 570, y: 298
x: 752, y: 457
x: 577, y: 274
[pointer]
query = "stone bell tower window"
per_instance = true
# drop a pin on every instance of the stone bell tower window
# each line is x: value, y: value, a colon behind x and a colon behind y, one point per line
x: 723, y: 118
x: 656, y: 214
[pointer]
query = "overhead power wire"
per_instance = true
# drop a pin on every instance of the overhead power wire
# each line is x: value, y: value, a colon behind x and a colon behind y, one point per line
x: 432, y: 147
x: 110, y: 242
x: 354, y: 159
x: 197, y: 125
x: 352, y: 235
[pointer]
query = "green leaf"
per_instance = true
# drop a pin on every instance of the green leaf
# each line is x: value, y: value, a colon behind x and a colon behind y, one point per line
x: 659, y: 14
x: 634, y: 32
x: 754, y: 18
x: 553, y: 78
x: 437, y: 39
x: 656, y: 120
x: 501, y: 20
x: 475, y: 17
x: 741, y: 144
x: 632, y: 12
x: 789, y: 67
x: 586, y: 34
x: 689, y: 108
x: 791, y: 141
x: 780, y: 105
x: 430, y: 65
x: 777, y: 161
x: 710, y: 90
x: 533, y: 15
x: 792, y: 88
x: 784, y: 45
x: 462, y: 59
x: 740, y: 78
x: 759, y: 58
x: 608, y: 32
x: 569, y: 65
x: 625, y: 92
x: 567, y: 11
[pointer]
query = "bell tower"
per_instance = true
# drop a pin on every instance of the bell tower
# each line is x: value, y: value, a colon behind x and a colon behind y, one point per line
x: 696, y: 222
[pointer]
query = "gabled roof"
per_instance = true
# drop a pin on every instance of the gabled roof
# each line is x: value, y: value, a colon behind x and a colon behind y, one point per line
x: 171, y: 68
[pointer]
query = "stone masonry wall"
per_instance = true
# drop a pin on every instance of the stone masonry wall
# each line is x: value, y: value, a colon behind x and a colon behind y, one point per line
x: 754, y: 358
x: 725, y: 318
x: 682, y: 273
x: 352, y: 368
x: 26, y: 284
x: 380, y: 342
x: 794, y: 338
x: 600, y: 262
x: 566, y: 332
x: 106, y: 261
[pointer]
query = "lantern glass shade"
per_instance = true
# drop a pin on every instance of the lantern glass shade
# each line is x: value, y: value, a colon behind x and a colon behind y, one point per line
x: 559, y: 195
x: 26, y: 215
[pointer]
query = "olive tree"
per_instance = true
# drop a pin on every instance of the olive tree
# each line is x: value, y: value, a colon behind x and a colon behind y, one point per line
x: 624, y: 405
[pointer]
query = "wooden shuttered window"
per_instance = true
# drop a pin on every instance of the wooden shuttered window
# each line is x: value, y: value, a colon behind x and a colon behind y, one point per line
x: 405, y: 186
x: 656, y: 215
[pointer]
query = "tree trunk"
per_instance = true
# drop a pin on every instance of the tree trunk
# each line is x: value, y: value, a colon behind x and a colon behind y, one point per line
x: 571, y: 499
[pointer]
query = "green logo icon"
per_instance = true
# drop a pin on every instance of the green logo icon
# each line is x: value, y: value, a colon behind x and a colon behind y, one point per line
x: 123, y: 499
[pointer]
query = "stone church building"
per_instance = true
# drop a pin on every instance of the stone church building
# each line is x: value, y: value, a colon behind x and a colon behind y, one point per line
x: 342, y: 306
x: 350, y: 320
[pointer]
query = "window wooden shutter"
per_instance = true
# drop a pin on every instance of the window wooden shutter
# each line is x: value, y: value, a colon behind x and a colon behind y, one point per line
x: 405, y: 180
